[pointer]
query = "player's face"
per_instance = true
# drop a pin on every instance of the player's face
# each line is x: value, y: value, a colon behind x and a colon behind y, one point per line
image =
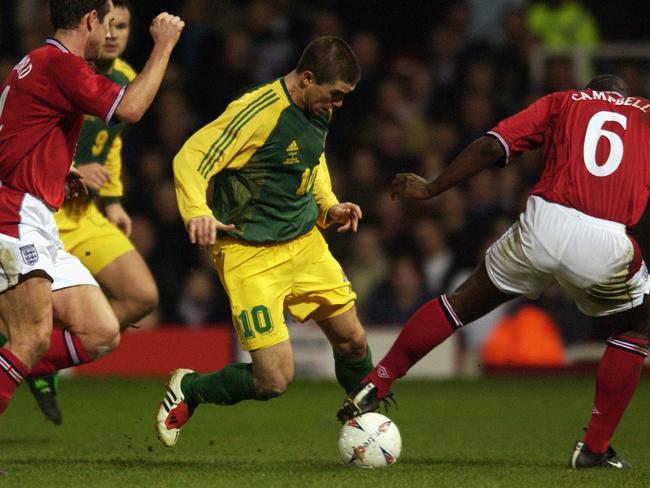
x: 99, y: 34
x: 321, y: 98
x: 119, y: 31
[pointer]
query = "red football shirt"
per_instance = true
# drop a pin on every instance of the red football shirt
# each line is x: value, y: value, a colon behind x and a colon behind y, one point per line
x: 42, y: 103
x: 596, y: 151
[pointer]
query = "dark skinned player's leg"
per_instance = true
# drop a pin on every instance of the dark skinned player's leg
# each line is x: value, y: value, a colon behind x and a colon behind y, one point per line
x: 618, y: 373
x: 433, y: 323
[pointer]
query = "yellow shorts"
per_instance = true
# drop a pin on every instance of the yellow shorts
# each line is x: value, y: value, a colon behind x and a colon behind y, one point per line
x: 89, y: 236
x: 300, y: 276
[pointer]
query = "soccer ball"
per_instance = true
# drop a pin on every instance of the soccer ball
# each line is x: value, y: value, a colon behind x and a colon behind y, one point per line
x: 369, y: 441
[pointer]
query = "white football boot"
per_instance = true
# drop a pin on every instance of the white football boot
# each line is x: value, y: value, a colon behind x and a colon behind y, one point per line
x: 174, y: 411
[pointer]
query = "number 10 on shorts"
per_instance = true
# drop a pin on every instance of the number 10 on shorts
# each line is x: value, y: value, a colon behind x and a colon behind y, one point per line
x: 258, y: 320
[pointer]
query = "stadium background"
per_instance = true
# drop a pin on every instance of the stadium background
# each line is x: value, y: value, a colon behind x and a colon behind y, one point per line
x: 435, y: 76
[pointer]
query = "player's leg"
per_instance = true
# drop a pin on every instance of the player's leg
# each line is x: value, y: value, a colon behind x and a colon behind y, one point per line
x: 352, y: 356
x: 617, y: 377
x: 268, y: 376
x: 433, y: 323
x: 85, y: 326
x: 27, y: 305
x: 111, y: 258
x: 86, y: 329
x: 256, y: 280
x: 322, y: 292
x: 130, y: 287
x: 121, y: 272
x: 26, y: 311
x: 610, y: 282
x: 505, y: 273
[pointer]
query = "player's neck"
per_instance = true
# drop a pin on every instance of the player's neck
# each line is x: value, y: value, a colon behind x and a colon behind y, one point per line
x: 104, y: 66
x: 293, y: 87
x: 74, y: 41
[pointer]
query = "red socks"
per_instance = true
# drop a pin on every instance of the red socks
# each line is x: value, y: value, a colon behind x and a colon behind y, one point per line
x: 12, y: 372
x: 616, y: 380
x: 65, y: 351
x: 429, y: 326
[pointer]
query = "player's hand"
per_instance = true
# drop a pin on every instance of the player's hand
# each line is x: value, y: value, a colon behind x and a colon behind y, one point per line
x: 116, y: 215
x: 74, y: 184
x: 94, y: 175
x: 409, y: 185
x: 166, y: 29
x: 348, y: 214
x: 203, y: 230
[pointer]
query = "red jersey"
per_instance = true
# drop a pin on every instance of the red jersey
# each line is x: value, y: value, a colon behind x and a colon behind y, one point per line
x: 42, y: 103
x: 596, y: 151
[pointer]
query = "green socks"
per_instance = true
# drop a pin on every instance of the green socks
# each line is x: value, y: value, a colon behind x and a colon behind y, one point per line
x: 234, y: 382
x: 228, y: 386
x: 350, y: 371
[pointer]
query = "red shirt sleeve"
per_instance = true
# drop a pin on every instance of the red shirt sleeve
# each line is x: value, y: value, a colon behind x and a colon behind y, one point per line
x: 86, y: 91
x: 525, y: 130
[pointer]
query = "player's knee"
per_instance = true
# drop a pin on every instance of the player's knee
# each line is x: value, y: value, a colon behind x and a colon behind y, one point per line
x: 274, y: 386
x: 355, y: 345
x: 151, y: 299
x: 144, y: 303
x: 104, y: 339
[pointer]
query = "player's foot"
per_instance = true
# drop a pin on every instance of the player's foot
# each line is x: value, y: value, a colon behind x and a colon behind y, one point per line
x: 363, y: 398
x: 174, y: 411
x: 584, y: 458
x: 44, y: 389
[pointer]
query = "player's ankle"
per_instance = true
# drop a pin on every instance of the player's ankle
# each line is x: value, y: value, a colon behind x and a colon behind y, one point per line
x: 381, y: 378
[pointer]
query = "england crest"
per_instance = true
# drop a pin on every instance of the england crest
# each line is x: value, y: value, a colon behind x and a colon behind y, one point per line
x: 29, y: 254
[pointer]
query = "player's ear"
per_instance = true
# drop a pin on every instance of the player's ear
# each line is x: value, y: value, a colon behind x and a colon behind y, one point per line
x: 307, y: 78
x: 90, y: 20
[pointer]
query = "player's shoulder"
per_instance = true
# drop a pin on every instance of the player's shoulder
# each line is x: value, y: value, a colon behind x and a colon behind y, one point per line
x: 267, y: 91
x: 56, y: 58
x: 267, y: 99
x: 55, y: 50
x: 125, y: 69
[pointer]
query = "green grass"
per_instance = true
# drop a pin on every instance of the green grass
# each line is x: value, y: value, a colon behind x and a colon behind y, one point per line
x: 487, y: 433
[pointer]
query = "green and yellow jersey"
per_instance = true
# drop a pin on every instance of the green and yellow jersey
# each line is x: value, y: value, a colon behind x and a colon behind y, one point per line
x: 267, y: 159
x: 102, y: 143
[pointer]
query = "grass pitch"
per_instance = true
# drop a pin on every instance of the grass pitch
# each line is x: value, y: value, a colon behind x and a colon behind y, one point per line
x: 487, y: 433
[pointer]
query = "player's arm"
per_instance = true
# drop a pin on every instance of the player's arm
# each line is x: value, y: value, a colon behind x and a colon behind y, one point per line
x: 112, y: 190
x: 203, y: 155
x: 165, y: 31
x: 483, y: 152
x: 94, y: 175
x: 88, y: 92
x: 330, y: 210
x: 521, y: 132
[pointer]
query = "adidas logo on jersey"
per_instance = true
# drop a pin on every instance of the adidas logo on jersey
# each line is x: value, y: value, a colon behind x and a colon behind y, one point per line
x: 292, y: 153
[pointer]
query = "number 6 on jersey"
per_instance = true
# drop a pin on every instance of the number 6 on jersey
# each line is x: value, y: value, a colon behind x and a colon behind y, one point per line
x: 594, y: 132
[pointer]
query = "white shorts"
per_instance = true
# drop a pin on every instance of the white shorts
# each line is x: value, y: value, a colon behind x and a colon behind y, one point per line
x: 29, y: 241
x: 593, y: 259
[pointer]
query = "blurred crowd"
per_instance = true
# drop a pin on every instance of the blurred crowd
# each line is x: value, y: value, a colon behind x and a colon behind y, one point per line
x: 435, y: 75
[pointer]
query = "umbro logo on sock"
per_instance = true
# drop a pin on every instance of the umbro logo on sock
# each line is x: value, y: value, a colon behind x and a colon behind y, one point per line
x: 382, y: 372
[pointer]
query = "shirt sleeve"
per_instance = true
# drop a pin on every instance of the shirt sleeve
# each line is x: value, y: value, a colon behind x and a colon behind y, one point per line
x: 86, y: 91
x: 113, y: 188
x: 323, y: 194
x: 525, y: 130
x: 224, y: 143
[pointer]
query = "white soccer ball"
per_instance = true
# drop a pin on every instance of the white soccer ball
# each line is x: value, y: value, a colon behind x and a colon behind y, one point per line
x: 370, y: 440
